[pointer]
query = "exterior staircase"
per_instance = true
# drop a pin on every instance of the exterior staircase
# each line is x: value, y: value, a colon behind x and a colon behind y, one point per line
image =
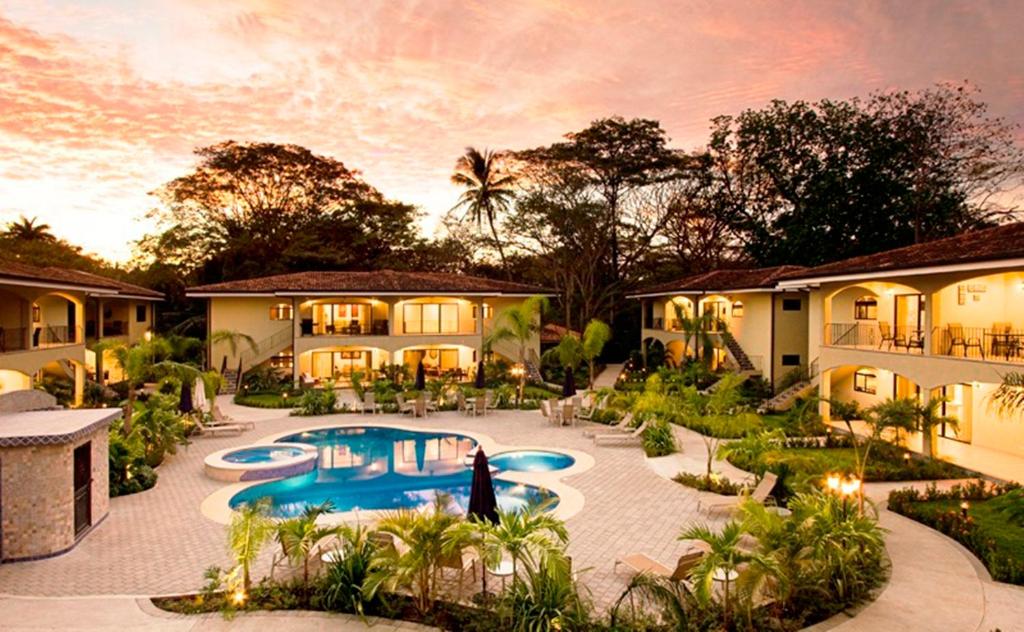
x: 249, y: 358
x: 738, y: 354
x: 786, y: 399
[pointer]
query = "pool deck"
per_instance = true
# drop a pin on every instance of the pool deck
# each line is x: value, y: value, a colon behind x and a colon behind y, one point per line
x: 159, y: 542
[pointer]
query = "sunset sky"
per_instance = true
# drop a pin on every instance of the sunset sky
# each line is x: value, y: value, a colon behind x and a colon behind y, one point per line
x: 102, y: 101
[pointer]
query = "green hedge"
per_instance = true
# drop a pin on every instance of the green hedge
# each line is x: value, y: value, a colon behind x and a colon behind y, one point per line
x: 266, y: 400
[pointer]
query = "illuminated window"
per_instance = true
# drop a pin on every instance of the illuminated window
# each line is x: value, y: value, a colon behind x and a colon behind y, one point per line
x: 737, y: 310
x: 488, y: 311
x: 430, y: 318
x: 865, y: 382
x: 37, y: 314
x: 865, y: 308
x: 282, y: 361
x: 281, y: 311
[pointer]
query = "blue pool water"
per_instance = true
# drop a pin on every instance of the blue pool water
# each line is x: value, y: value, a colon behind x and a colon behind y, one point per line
x: 262, y: 454
x: 531, y: 461
x: 372, y: 467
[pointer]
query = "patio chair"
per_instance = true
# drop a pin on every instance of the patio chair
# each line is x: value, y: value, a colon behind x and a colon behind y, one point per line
x: 369, y: 403
x: 885, y: 334
x: 641, y: 563
x: 420, y: 407
x: 957, y: 338
x: 458, y: 561
x: 466, y: 408
x: 209, y: 431
x: 632, y: 438
x: 588, y: 413
x: 729, y: 503
x: 622, y: 426
x: 569, y: 414
x: 220, y: 419
x: 480, y: 405
x: 404, y: 407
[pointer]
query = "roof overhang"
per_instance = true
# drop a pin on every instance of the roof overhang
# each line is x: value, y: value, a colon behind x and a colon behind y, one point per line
x: 705, y: 292
x: 804, y: 282
x: 292, y: 293
x: 89, y: 289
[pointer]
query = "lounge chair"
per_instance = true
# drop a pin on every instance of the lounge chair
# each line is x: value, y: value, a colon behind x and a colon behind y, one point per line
x: 205, y: 431
x: 728, y: 503
x: 369, y: 403
x: 466, y: 408
x: 622, y: 426
x: 405, y: 407
x: 632, y: 438
x: 588, y: 413
x: 640, y: 563
x: 220, y: 420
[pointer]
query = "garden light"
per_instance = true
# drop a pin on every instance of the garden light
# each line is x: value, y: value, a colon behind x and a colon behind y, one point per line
x: 964, y: 506
x: 238, y: 597
x: 833, y: 482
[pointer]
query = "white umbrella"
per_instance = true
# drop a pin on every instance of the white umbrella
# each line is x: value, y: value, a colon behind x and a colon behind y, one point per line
x: 199, y: 396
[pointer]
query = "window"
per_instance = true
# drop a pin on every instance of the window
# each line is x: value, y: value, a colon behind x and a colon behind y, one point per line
x: 865, y: 308
x: 791, y: 304
x: 281, y: 311
x: 140, y: 313
x: 488, y: 311
x: 431, y: 318
x: 791, y: 359
x: 37, y: 314
x: 865, y: 382
x: 737, y: 309
x: 282, y: 361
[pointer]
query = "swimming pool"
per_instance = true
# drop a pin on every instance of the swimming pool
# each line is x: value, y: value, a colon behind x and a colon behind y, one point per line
x: 373, y: 467
x: 531, y: 461
x: 262, y: 454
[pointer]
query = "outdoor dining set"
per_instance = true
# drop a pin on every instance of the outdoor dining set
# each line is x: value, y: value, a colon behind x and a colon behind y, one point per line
x: 1000, y: 341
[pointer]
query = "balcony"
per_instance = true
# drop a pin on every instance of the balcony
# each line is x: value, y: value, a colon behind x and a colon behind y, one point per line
x: 995, y: 344
x: 377, y: 327
x: 14, y: 339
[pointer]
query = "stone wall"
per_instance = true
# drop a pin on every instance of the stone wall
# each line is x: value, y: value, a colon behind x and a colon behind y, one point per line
x: 37, y: 495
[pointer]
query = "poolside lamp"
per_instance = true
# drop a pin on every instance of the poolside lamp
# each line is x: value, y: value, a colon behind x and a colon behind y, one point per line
x: 964, y: 506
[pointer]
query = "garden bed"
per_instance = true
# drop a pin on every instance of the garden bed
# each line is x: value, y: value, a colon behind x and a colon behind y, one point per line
x: 993, y: 528
x: 266, y: 400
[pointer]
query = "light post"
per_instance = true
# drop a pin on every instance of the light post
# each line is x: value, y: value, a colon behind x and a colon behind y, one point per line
x: 845, y: 488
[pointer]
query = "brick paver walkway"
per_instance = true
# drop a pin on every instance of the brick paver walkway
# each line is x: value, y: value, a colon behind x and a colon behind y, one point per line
x: 158, y: 542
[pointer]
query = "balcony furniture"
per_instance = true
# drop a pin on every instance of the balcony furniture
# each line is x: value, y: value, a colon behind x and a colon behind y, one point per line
x: 306, y: 327
x: 380, y: 327
x: 886, y: 335
x: 958, y: 339
x: 1005, y: 344
x: 915, y: 340
x: 353, y: 328
x: 329, y: 329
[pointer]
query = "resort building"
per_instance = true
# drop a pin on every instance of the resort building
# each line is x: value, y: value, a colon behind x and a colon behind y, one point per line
x: 756, y: 327
x: 325, y: 326
x: 50, y: 317
x: 939, y: 319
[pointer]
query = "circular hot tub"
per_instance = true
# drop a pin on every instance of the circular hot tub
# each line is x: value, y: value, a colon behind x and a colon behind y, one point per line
x: 531, y: 461
x: 261, y: 462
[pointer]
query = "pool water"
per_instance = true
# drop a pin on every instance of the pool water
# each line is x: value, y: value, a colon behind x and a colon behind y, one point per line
x: 370, y: 468
x: 262, y: 454
x: 531, y: 461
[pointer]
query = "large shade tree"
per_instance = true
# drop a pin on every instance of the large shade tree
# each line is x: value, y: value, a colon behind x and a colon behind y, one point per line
x: 488, y: 189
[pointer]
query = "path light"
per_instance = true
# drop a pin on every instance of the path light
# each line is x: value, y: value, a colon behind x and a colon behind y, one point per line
x: 284, y: 396
x: 148, y: 336
x: 833, y: 482
x: 517, y: 370
x: 906, y: 457
x: 964, y: 506
x: 238, y: 597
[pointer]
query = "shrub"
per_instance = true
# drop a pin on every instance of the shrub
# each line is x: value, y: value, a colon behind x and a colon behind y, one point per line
x: 341, y: 587
x: 714, y: 484
x: 265, y: 379
x: 317, y: 401
x: 267, y: 400
x: 127, y: 469
x: 658, y: 438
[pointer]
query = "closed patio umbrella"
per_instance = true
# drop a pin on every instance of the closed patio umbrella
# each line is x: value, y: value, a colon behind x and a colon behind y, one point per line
x: 185, y: 402
x: 199, y: 400
x: 479, y: 382
x: 569, y: 386
x: 421, y: 377
x: 482, y: 502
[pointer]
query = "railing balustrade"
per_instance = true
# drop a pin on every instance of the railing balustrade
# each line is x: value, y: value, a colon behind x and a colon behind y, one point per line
x: 13, y: 339
x: 981, y: 343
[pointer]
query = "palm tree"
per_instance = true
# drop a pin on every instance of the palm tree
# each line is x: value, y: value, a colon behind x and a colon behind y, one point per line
x: 722, y: 562
x: 595, y: 336
x: 488, y: 188
x: 530, y: 536
x: 519, y: 323
x: 137, y: 363
x: 929, y: 417
x: 1009, y: 396
x: 298, y: 537
x: 698, y: 329
x: 27, y: 229
x: 251, y: 526
x: 232, y: 339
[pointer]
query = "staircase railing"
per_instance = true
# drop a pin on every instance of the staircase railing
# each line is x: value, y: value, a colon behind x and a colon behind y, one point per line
x: 270, y: 345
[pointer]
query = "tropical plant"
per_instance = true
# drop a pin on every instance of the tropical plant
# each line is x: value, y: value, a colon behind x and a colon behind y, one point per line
x: 357, y: 384
x: 232, y: 339
x: 723, y: 561
x: 752, y: 447
x: 1009, y: 395
x: 159, y: 428
x: 658, y: 438
x: 672, y: 599
x: 519, y: 324
x: 27, y: 229
x: 528, y: 535
x: 568, y: 353
x: 300, y: 535
x: 928, y: 418
x: 595, y: 336
x: 488, y: 189
x: 251, y: 527
x: 890, y: 414
x: 547, y: 600
x: 698, y: 329
x: 416, y: 566
x: 317, y: 401
x: 342, y: 587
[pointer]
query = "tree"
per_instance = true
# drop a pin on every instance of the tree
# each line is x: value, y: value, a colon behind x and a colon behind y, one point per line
x: 489, y: 188
x: 595, y: 337
x: 136, y: 362
x: 928, y: 417
x: 300, y: 535
x: 232, y: 338
x: 251, y: 526
x: 1009, y: 396
x: 27, y: 229
x: 252, y: 209
x: 698, y: 329
x: 888, y: 415
x: 519, y: 324
x: 529, y: 536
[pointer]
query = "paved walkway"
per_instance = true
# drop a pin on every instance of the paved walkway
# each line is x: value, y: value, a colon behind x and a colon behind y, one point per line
x: 608, y: 377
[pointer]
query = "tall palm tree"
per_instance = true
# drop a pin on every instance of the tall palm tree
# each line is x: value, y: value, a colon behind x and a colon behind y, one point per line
x: 488, y: 188
x: 529, y: 536
x: 28, y: 230
x: 519, y: 323
x: 698, y: 329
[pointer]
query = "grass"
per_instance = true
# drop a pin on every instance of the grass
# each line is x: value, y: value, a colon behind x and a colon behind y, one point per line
x: 266, y: 400
x: 991, y: 519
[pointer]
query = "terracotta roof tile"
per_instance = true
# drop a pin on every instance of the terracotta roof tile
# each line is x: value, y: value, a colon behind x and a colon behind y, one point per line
x: 51, y: 274
x: 989, y: 244
x: 377, y: 281
x: 723, y: 281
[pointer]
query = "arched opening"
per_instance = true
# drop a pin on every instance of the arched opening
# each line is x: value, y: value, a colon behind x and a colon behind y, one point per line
x: 56, y: 320
x: 981, y: 317
x: 339, y: 363
x: 876, y: 315
x: 675, y: 310
x: 439, y: 359
x: 14, y: 381
x: 654, y: 353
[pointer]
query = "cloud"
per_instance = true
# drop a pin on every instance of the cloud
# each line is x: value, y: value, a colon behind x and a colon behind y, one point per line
x: 102, y: 102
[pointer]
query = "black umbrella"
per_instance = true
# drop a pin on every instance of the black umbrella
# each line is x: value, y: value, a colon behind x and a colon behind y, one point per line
x: 569, y: 386
x: 479, y: 383
x: 421, y: 377
x: 482, y: 502
x: 185, y: 403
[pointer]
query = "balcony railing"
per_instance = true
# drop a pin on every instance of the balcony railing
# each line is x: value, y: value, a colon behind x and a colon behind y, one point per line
x: 656, y: 323
x: 374, y: 328
x: 880, y: 336
x: 13, y: 339
x: 115, y: 328
x: 38, y: 337
x: 1001, y: 345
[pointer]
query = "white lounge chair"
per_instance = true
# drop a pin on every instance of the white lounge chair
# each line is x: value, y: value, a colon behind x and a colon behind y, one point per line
x: 628, y: 439
x: 641, y: 563
x: 220, y: 419
x: 729, y: 503
x: 405, y: 407
x: 622, y: 426
x: 207, y: 431
x: 369, y: 403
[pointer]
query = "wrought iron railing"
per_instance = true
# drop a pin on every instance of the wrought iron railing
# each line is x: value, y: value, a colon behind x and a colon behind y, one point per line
x: 1003, y: 344
x: 374, y: 328
x: 13, y: 339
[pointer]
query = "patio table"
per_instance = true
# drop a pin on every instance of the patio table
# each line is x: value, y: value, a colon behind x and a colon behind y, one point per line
x: 1005, y: 344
